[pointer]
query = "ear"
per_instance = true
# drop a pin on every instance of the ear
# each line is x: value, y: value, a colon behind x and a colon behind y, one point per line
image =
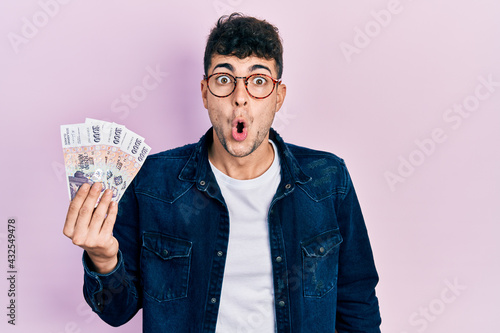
x: 204, y: 92
x: 280, y: 96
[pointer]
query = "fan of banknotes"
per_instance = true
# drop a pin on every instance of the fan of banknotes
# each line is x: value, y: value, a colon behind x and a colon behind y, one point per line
x: 100, y: 151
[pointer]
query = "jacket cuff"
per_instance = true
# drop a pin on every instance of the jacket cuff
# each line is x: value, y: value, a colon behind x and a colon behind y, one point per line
x: 96, y: 284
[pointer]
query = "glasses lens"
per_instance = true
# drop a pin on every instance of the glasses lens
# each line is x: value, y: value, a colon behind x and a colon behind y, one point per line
x: 260, y: 85
x: 221, y: 84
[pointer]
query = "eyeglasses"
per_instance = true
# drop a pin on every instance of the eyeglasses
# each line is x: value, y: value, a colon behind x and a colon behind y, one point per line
x: 258, y: 86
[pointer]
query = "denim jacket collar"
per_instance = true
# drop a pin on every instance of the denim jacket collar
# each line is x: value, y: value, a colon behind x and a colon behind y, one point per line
x: 197, y: 168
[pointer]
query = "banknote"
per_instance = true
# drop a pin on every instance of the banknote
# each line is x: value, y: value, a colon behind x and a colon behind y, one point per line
x: 78, y: 157
x: 101, y: 151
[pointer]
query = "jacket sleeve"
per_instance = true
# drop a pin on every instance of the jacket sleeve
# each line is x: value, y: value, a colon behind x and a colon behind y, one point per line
x: 114, y: 296
x: 357, y: 304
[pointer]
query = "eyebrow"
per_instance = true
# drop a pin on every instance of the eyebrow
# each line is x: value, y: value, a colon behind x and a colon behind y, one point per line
x: 257, y: 66
x: 224, y: 65
x: 231, y: 68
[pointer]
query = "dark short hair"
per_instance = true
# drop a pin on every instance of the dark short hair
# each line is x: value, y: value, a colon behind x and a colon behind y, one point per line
x: 244, y: 36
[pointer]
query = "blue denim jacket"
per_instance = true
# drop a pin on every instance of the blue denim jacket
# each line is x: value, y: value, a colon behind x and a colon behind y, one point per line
x: 173, y: 228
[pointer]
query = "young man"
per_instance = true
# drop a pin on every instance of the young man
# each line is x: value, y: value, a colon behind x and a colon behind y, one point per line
x: 240, y: 232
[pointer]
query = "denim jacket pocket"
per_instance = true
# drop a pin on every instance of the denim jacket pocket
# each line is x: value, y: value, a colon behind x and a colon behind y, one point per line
x: 320, y: 258
x: 165, y: 265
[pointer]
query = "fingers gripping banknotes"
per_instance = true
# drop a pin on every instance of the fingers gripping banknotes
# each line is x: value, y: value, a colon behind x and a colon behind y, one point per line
x: 100, y: 151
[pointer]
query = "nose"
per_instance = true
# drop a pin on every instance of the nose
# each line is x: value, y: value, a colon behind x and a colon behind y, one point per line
x: 240, y: 94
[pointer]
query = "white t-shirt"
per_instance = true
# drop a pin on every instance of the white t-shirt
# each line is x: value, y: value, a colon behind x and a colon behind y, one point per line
x: 247, y: 299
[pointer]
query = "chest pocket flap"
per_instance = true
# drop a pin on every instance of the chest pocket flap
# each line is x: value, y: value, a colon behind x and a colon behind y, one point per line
x: 320, y: 256
x: 165, y: 265
x: 166, y: 247
x: 322, y: 244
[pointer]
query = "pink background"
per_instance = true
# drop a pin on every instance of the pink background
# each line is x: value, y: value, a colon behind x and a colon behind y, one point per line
x: 437, y: 228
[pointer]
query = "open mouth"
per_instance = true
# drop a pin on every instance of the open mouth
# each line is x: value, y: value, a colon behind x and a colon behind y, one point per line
x: 239, y: 127
x: 239, y: 131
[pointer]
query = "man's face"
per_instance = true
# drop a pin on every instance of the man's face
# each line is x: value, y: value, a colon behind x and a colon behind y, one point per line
x: 242, y: 122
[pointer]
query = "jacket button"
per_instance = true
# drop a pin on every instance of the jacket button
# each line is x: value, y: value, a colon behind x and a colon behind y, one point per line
x: 287, y: 186
x: 279, y: 259
x: 322, y: 249
x: 213, y: 300
x: 165, y: 252
x: 202, y: 183
x: 281, y: 303
x: 219, y: 253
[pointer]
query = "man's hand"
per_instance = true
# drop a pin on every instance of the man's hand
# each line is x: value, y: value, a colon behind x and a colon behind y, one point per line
x: 92, y: 229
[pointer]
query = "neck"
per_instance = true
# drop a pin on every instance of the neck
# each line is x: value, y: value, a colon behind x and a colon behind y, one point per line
x: 242, y: 168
